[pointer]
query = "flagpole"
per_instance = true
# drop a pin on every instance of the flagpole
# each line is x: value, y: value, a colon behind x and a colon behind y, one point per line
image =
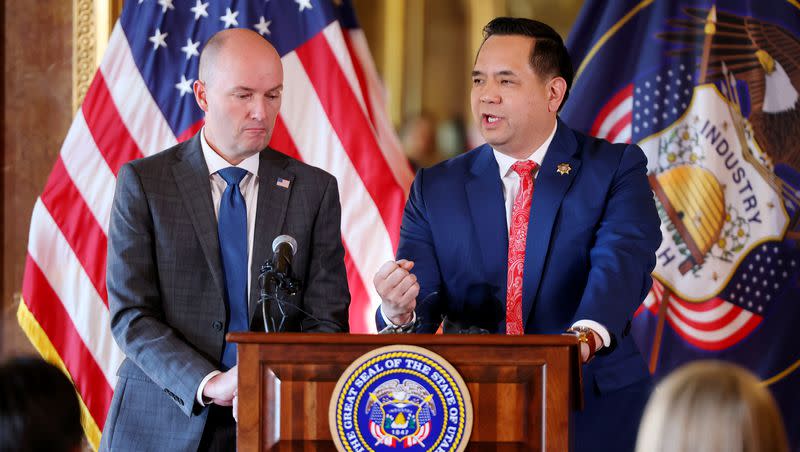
x: 710, y: 29
x: 662, y: 316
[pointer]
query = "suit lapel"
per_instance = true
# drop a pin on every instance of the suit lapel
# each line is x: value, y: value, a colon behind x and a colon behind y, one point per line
x: 273, y: 201
x: 549, y: 190
x: 191, y: 176
x: 485, y: 197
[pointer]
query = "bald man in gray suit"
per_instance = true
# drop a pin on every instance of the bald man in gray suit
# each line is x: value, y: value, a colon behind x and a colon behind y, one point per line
x: 170, y: 296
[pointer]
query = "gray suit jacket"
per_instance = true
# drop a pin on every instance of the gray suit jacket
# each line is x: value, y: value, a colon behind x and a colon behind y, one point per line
x: 166, y: 285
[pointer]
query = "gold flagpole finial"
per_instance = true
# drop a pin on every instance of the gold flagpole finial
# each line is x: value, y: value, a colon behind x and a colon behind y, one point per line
x: 710, y: 29
x: 711, y: 21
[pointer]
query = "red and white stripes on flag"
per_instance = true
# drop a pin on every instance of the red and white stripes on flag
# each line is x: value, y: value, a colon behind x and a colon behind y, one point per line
x: 714, y: 324
x: 613, y: 122
x: 333, y: 116
x: 352, y: 139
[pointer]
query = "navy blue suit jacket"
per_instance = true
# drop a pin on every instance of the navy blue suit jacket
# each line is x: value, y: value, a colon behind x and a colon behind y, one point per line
x: 591, y: 244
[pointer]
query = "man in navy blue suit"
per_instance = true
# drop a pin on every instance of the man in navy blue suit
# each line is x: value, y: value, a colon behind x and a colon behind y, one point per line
x: 542, y: 230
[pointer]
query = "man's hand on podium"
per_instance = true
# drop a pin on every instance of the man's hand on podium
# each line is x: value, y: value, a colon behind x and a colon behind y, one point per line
x: 586, y: 352
x: 398, y: 289
x: 221, y: 388
x: 236, y: 405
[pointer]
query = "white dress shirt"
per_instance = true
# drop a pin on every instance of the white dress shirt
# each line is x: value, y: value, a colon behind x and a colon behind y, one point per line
x: 248, y: 186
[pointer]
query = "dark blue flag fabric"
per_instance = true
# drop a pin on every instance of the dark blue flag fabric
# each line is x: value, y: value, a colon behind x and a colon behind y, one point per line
x: 709, y: 90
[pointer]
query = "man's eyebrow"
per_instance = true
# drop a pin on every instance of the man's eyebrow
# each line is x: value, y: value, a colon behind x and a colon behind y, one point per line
x: 251, y: 90
x: 504, y: 72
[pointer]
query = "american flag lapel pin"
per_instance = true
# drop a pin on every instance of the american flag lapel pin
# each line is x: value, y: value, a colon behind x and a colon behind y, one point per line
x: 283, y: 183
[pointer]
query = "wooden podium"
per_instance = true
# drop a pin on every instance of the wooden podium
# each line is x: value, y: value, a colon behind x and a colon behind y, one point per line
x: 522, y: 388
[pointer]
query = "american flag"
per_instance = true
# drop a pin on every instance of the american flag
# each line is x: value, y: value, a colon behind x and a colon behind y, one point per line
x: 713, y: 324
x: 140, y: 102
x: 376, y: 427
x: 722, y: 321
x: 650, y: 104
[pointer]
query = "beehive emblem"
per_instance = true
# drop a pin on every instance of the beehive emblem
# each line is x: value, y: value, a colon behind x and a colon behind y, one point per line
x: 694, y: 200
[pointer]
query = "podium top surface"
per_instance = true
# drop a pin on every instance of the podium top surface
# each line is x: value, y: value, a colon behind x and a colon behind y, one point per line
x: 410, y: 339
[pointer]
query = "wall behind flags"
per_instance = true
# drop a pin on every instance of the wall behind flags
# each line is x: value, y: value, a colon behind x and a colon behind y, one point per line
x: 37, y: 111
x: 423, y: 50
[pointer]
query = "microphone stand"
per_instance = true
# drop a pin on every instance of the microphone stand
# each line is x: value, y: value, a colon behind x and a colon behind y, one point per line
x: 276, y: 287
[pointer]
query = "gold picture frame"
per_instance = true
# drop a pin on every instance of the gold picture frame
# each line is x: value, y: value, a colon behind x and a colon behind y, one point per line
x: 92, y: 23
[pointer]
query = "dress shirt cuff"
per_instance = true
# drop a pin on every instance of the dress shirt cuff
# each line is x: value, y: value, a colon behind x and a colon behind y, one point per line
x: 597, y: 328
x: 390, y: 323
x: 202, y: 386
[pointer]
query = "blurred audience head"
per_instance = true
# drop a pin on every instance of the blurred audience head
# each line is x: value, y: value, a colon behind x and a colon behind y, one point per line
x: 418, y: 135
x: 711, y: 406
x: 451, y: 137
x: 39, y: 408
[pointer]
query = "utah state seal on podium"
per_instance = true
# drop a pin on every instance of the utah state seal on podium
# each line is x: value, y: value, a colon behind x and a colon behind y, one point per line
x: 400, y: 396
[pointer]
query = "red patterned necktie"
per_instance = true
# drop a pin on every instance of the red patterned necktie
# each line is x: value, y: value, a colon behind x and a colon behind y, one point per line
x: 520, y: 214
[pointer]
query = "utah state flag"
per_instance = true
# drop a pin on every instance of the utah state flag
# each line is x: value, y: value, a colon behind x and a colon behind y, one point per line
x: 709, y: 90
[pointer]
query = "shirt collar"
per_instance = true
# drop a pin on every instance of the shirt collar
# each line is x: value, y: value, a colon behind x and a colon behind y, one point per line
x: 505, y: 162
x: 216, y: 163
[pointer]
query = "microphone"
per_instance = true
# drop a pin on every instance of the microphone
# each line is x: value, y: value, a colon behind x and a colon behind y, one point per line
x: 284, y: 248
x: 283, y: 304
x: 277, y: 284
x: 454, y: 326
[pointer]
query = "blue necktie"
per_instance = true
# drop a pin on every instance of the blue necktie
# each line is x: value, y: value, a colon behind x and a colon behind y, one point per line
x: 233, y: 249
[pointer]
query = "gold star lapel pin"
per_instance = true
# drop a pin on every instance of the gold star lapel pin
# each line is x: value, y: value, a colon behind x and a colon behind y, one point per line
x: 563, y: 168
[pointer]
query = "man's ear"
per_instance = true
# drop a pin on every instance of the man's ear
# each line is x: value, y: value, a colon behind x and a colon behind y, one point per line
x: 556, y: 89
x: 199, y: 89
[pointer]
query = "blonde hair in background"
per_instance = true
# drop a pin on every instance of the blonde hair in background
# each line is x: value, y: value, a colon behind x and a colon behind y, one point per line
x: 711, y: 406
